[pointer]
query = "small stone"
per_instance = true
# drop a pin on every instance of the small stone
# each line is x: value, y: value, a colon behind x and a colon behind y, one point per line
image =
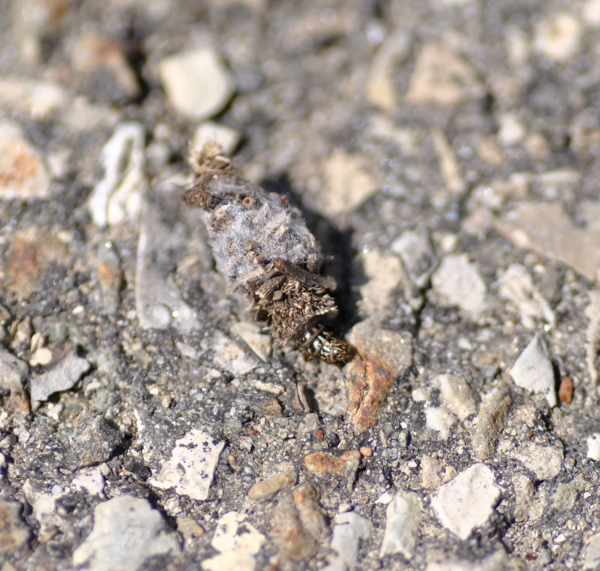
x: 467, y: 501
x: 524, y: 495
x: 91, y: 482
x: 159, y: 304
x: 516, y: 285
x: 326, y: 464
x: 110, y: 278
x: 544, y: 461
x: 197, y: 83
x: 268, y: 489
x: 449, y: 167
x: 42, y: 356
x: 380, y: 87
x: 94, y: 442
x: 237, y: 541
x: 192, y: 465
x: 497, y: 561
x: 385, y: 275
x: 127, y: 531
x: 189, y: 528
x: 490, y: 422
x: 230, y: 356
x: 348, y: 184
x: 118, y: 196
x: 592, y: 552
x: 298, y: 525
x: 366, y: 452
x: 13, y: 373
x: 417, y: 254
x: 102, y: 70
x: 225, y: 136
x: 440, y: 419
x: 458, y: 283
x: 260, y: 343
x: 565, y: 390
x: 533, y: 370
x: 457, y: 395
x: 593, y: 447
x: 14, y: 533
x: 558, y: 36
x: 403, y: 515
x: 511, y: 131
x: 349, y: 530
x: 61, y: 377
x: 548, y: 230
x: 272, y: 388
x: 40, y: 100
x: 22, y: 171
x: 592, y: 346
x: 393, y: 349
x: 441, y: 77
x: 591, y: 12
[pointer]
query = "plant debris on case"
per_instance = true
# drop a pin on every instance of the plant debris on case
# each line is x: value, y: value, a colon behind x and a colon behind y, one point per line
x: 263, y: 247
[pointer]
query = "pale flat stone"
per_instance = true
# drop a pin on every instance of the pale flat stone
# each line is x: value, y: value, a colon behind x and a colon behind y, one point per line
x: 440, y: 419
x: 456, y: 395
x: 197, y: 83
x: 385, y: 274
x: 41, y: 100
x: 268, y: 489
x: 118, y: 196
x: 442, y: 77
x: 548, y: 230
x: 449, y: 167
x: 192, y: 465
x: 417, y: 254
x: 348, y: 183
x: 349, y: 530
x: 516, y: 285
x: 592, y: 346
x: 237, y: 541
x: 592, y: 552
x: 91, y: 482
x: 593, y: 447
x: 533, y: 370
x: 467, y: 501
x: 127, y: 531
x: 225, y: 136
x: 544, y: 461
x: 231, y: 356
x: 558, y: 36
x: 22, y: 171
x: 497, y: 561
x: 61, y: 377
x: 261, y: 343
x: 458, y: 283
x: 403, y: 517
x: 380, y: 88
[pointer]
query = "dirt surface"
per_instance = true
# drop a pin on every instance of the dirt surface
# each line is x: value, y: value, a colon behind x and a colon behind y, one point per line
x: 445, y: 154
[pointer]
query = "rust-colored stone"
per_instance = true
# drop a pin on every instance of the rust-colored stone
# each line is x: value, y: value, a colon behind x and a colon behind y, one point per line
x: 565, y: 390
x: 368, y: 381
x: 326, y: 464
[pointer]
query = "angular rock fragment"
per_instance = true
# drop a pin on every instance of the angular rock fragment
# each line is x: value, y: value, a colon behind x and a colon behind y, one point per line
x: 403, y: 517
x: 385, y: 275
x: 14, y: 533
x: 61, y: 377
x: 417, y: 254
x: 299, y: 525
x: 326, y: 464
x: 533, y: 370
x: 127, y: 531
x: 544, y: 461
x: 94, y: 442
x: 13, y: 373
x: 457, y: 395
x: 490, y: 422
x: 467, y: 502
x: 268, y: 489
x: 230, y: 356
x: 23, y: 174
x: 192, y: 465
x: 197, y: 83
x: 237, y: 541
x: 349, y: 530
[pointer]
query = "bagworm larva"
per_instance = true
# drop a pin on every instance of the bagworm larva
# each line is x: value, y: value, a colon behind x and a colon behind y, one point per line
x: 263, y: 247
